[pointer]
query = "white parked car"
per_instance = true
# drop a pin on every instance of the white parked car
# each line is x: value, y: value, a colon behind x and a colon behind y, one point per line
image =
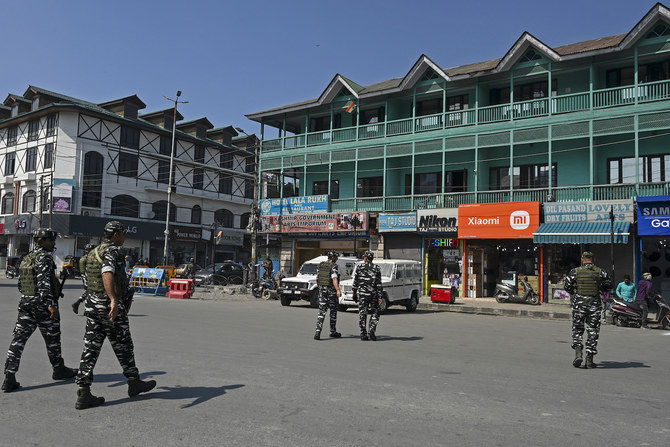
x: 303, y: 286
x: 401, y: 281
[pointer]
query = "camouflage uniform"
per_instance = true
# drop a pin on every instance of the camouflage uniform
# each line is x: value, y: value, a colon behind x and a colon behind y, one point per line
x: 97, y: 308
x: 34, y: 313
x: 367, y: 288
x: 586, y: 308
x: 328, y: 300
x: 84, y: 280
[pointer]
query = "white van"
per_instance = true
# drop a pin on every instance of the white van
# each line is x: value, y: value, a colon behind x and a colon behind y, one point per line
x: 303, y: 286
x: 401, y: 281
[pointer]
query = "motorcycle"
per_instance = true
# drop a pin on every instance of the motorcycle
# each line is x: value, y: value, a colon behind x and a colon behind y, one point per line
x: 265, y: 288
x: 507, y: 290
x: 623, y: 314
x: 11, y: 272
x: 71, y: 267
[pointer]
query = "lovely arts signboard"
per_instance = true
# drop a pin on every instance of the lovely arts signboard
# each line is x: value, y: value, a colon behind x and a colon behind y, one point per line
x: 513, y: 220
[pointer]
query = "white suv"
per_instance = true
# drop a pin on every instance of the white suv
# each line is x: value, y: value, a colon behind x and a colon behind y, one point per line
x: 303, y: 286
x: 401, y: 281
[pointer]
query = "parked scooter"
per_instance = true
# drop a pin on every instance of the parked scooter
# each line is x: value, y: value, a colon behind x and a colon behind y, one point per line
x: 507, y: 290
x: 11, y: 272
x: 625, y: 315
x: 266, y: 288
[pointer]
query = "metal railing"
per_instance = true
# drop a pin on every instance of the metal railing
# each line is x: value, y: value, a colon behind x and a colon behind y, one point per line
x: 575, y: 102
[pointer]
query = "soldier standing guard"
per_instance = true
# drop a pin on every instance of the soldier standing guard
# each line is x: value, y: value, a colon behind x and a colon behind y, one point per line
x: 367, y: 289
x: 82, y: 273
x: 38, y: 308
x: 585, y: 284
x: 328, y: 281
x: 107, y: 317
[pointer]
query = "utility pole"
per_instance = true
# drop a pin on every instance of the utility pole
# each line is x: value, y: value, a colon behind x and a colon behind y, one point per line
x: 41, y: 198
x: 254, y: 220
x: 612, y: 239
x: 166, y: 233
x: 51, y: 200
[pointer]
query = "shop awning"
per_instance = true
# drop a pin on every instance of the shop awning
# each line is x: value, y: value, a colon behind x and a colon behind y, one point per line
x: 581, y: 233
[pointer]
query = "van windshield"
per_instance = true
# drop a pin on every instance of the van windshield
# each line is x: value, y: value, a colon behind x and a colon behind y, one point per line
x: 308, y: 269
x: 385, y: 269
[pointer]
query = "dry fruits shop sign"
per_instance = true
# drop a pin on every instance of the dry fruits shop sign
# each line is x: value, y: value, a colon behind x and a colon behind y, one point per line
x: 513, y: 220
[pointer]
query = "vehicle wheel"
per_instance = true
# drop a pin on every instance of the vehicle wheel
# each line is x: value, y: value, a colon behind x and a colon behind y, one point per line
x: 413, y: 303
x: 499, y: 297
x: 384, y: 306
x: 235, y: 280
x: 314, y: 298
x: 616, y: 321
x: 534, y: 299
x: 256, y: 291
x: 266, y: 294
x: 285, y: 300
x: 665, y: 323
x: 222, y: 282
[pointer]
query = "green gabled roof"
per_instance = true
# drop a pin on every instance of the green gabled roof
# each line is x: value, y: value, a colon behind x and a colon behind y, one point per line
x: 473, y: 68
x: 352, y: 84
x: 43, y: 91
x: 384, y: 85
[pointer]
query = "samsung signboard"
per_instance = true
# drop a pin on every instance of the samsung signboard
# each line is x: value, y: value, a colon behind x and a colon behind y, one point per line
x: 653, y: 216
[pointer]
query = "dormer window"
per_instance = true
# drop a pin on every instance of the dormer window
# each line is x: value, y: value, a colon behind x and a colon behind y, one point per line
x: 429, y: 75
x: 531, y: 55
x: 659, y: 30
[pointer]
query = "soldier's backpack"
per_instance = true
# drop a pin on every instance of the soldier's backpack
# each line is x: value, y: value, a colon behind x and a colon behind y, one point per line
x: 323, y: 278
x: 28, y: 277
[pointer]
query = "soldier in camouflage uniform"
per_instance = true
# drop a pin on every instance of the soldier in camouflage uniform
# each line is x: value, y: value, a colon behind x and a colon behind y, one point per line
x: 82, y: 273
x: 105, y: 309
x: 328, y: 298
x: 585, y: 284
x: 38, y: 308
x: 367, y: 289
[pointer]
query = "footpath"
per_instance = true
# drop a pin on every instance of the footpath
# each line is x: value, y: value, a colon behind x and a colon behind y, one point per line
x: 481, y: 306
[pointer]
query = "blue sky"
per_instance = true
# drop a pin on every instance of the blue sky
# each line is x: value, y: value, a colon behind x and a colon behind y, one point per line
x: 231, y: 58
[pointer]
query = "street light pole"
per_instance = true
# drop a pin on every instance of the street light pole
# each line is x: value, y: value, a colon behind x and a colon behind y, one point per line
x: 254, y: 207
x: 166, y: 233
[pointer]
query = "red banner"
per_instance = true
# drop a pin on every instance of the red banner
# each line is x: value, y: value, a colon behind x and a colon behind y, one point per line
x: 311, y: 223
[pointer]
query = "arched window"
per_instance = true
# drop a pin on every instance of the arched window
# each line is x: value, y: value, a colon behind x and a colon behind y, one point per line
x: 160, y: 210
x: 224, y: 218
x: 125, y: 206
x: 91, y: 191
x: 8, y: 203
x: 244, y: 220
x: 196, y: 215
x: 29, y: 198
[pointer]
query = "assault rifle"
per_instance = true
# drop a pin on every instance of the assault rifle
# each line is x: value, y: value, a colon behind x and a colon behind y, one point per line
x: 61, y: 285
x: 127, y: 300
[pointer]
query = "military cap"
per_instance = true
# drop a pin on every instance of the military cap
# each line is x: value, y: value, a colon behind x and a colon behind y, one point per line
x: 587, y: 255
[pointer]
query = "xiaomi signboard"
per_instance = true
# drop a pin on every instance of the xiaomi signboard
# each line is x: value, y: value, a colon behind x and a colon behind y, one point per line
x: 509, y: 220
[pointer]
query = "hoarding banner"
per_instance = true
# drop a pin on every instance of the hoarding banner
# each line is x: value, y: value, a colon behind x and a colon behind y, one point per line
x: 509, y: 220
x: 295, y: 205
x: 62, y: 195
x: 304, y: 223
x: 594, y: 211
x: 230, y: 236
x: 397, y: 222
x: 437, y: 221
x: 653, y: 216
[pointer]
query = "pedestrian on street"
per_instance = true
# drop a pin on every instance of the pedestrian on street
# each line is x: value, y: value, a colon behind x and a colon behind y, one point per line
x: 367, y: 290
x: 626, y: 290
x: 38, y: 308
x: 642, y: 297
x: 328, y: 282
x: 585, y: 284
x: 107, y: 317
x: 82, y: 273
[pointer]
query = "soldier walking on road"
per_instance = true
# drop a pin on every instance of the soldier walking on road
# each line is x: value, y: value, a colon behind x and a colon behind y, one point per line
x: 585, y: 284
x: 328, y: 282
x: 367, y: 289
x: 38, y: 308
x: 82, y: 273
x: 107, y: 317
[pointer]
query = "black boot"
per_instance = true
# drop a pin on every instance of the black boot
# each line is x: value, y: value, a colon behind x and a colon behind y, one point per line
x: 75, y: 306
x: 10, y: 384
x: 364, y: 337
x: 373, y: 336
x: 577, y: 362
x: 137, y: 386
x: 589, y: 361
x: 86, y: 400
x: 317, y: 335
x: 335, y: 334
x: 63, y: 372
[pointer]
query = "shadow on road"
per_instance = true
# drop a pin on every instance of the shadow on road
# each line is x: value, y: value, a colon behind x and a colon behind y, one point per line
x: 382, y: 338
x: 618, y: 365
x: 199, y: 394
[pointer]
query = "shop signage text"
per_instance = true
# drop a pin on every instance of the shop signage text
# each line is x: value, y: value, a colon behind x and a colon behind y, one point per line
x: 295, y: 205
x: 301, y: 223
x: 589, y: 211
x: 186, y: 233
x: 509, y: 220
x: 445, y: 243
x: 230, y: 236
x: 653, y: 215
x: 437, y: 221
x: 397, y: 222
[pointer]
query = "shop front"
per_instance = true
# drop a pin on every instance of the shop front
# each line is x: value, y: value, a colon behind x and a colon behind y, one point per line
x: 570, y: 228
x: 227, y: 243
x: 653, y: 229
x: 497, y: 238
x: 441, y: 249
x: 401, y: 240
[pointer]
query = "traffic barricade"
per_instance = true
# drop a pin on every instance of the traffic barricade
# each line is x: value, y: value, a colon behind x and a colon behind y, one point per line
x: 180, y: 288
x: 169, y: 269
x: 442, y: 294
x: 148, y: 281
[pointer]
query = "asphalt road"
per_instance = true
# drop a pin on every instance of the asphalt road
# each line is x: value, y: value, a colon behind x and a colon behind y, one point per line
x: 247, y: 372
